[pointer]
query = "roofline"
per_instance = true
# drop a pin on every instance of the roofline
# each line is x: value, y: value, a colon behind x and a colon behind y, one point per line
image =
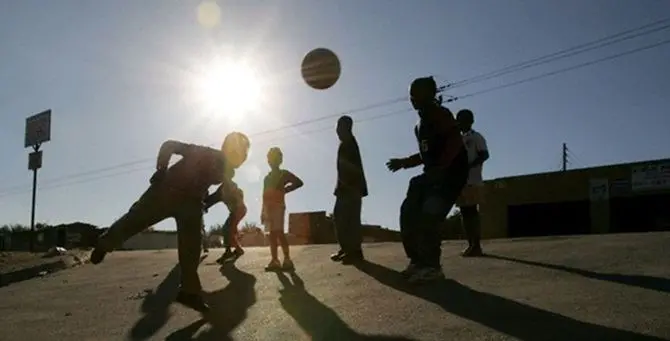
x: 577, y: 170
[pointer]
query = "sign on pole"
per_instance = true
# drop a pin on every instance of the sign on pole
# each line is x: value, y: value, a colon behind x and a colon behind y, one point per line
x: 35, y: 160
x: 38, y: 129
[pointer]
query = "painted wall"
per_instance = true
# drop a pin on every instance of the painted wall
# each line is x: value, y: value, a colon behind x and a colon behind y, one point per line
x: 597, y: 184
x: 152, y: 240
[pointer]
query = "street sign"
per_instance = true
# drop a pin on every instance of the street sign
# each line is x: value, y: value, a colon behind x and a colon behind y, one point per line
x: 35, y: 160
x: 38, y: 129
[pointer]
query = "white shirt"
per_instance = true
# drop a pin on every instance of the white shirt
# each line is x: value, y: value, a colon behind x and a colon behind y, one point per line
x: 474, y: 144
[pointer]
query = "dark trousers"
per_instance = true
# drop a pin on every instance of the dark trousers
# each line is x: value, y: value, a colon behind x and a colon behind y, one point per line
x: 471, y: 224
x: 229, y: 230
x: 347, y: 216
x: 226, y: 233
x: 424, y: 210
x: 156, y: 204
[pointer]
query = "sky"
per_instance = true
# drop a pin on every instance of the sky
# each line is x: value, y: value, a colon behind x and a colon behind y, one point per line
x: 119, y: 78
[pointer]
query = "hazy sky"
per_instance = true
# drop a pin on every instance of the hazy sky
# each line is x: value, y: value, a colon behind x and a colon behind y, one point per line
x: 118, y: 76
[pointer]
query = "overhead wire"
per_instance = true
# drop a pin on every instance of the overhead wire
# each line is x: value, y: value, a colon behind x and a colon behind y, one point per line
x: 563, y: 70
x: 50, y: 186
x: 21, y: 189
x: 569, y: 52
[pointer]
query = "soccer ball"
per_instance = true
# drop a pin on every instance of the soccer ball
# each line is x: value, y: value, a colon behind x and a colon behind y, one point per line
x: 321, y: 68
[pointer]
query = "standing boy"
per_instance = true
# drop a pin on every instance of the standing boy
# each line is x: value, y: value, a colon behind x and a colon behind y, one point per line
x: 237, y: 210
x: 432, y: 194
x: 472, y: 194
x: 178, y: 192
x: 350, y: 190
x: 276, y: 184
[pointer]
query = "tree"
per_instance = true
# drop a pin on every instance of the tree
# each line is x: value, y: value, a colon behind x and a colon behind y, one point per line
x: 250, y: 227
x: 14, y: 228
x: 216, y: 229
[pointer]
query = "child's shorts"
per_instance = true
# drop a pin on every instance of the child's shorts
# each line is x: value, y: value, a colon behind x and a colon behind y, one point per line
x: 471, y: 195
x: 274, y: 218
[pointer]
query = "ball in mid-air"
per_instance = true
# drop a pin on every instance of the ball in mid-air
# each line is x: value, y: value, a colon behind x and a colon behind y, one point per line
x: 321, y: 68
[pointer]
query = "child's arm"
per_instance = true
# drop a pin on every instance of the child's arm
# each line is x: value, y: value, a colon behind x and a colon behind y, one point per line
x: 228, y: 193
x: 292, y: 182
x: 482, y: 150
x: 213, y: 199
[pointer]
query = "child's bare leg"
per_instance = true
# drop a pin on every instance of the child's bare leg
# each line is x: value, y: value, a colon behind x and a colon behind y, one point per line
x: 273, y: 245
x: 284, y: 244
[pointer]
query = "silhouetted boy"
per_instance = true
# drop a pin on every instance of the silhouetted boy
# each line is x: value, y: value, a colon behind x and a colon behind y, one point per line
x: 350, y: 190
x: 472, y: 194
x: 276, y: 184
x: 237, y: 210
x: 432, y: 194
x: 178, y: 192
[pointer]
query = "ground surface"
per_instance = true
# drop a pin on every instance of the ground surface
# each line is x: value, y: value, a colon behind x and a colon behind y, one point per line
x: 614, y: 287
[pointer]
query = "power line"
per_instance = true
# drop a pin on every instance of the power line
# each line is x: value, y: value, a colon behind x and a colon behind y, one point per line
x: 21, y: 188
x: 47, y: 187
x: 505, y: 70
x: 553, y: 73
x: 369, y: 107
x: 578, y: 49
x: 460, y: 97
x: 574, y: 158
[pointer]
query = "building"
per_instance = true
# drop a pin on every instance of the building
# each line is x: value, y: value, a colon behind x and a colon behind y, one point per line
x: 317, y: 228
x: 152, y: 240
x: 73, y: 235
x: 311, y: 228
x: 631, y: 197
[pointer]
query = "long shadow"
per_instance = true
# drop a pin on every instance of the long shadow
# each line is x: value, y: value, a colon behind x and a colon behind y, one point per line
x: 641, y: 281
x: 315, y: 318
x: 507, y: 316
x: 156, y: 306
x: 228, y: 307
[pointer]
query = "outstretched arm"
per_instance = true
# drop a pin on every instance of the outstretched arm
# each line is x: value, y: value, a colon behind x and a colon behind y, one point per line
x: 412, y: 161
x: 293, y: 182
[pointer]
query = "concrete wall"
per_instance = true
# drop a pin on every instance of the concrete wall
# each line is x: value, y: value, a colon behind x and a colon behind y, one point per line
x: 573, y: 185
x: 152, y: 240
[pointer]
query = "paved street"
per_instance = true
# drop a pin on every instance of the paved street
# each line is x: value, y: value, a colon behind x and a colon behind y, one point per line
x: 614, y: 287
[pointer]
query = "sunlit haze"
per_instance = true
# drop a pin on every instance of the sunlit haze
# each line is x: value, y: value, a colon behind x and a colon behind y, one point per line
x: 121, y: 77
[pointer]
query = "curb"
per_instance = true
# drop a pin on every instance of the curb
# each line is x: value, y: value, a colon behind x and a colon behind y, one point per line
x: 66, y: 262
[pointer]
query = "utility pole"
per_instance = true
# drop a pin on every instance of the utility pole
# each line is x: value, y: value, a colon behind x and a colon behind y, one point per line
x: 565, y: 157
x: 38, y: 131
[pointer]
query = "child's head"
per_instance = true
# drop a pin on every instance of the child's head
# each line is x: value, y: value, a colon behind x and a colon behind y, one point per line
x: 465, y: 120
x: 275, y: 157
x: 236, y: 148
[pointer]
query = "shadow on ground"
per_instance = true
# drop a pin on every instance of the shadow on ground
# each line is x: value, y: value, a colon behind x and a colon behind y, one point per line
x: 315, y: 318
x: 641, y: 281
x: 504, y: 315
x: 228, y: 308
x: 156, y: 306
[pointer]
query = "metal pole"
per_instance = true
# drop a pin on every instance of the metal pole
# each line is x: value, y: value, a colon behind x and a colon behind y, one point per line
x: 565, y: 157
x: 32, y: 211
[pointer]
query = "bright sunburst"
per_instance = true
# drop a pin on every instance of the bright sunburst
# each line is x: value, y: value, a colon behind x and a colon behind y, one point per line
x: 230, y: 89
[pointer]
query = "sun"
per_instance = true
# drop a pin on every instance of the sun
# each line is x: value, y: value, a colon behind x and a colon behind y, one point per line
x: 230, y: 89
